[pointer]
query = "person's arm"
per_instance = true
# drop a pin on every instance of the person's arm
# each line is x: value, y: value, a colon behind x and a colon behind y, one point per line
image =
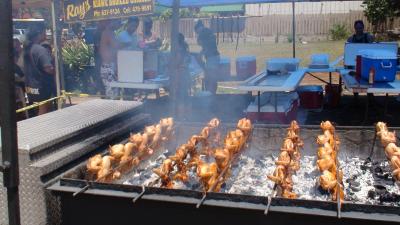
x: 370, y: 38
x: 45, y: 61
x: 350, y: 39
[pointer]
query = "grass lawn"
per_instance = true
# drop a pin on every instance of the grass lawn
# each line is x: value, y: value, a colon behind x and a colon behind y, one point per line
x: 267, y: 50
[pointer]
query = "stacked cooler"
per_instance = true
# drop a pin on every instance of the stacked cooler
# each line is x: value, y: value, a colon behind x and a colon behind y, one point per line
x: 285, y: 111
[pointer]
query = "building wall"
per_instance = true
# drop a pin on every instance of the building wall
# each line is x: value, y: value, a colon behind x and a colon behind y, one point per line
x: 332, y: 7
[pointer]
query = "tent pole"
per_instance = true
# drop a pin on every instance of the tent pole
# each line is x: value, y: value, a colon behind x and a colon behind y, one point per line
x: 8, y: 122
x: 294, y: 27
x: 174, y: 52
x: 56, y: 52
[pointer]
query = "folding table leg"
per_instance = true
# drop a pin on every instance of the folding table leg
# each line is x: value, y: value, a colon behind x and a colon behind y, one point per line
x: 386, y: 105
x: 366, y: 112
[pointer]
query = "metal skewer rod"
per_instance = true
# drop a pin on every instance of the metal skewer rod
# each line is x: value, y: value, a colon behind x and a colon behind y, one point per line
x: 269, y: 198
x: 371, y: 153
x: 85, y: 188
x: 140, y: 195
x: 338, y: 183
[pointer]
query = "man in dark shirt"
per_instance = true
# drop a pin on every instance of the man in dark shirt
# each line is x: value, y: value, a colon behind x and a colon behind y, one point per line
x: 39, y: 70
x: 208, y: 42
x: 360, y: 36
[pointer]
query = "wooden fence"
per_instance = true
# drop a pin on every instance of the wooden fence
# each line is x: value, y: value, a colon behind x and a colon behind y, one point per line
x: 306, y: 25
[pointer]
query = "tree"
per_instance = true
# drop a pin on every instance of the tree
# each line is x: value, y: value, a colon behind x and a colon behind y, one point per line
x: 378, y: 12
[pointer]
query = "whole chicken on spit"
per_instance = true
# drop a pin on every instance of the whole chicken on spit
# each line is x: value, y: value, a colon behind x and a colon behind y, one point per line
x: 327, y: 125
x: 245, y: 126
x: 164, y: 173
x: 380, y: 127
x: 179, y: 157
x: 283, y: 159
x: 208, y: 174
x: 392, y: 152
x: 287, y: 188
x: 105, y: 174
x: 279, y: 175
x: 388, y: 137
x: 116, y: 151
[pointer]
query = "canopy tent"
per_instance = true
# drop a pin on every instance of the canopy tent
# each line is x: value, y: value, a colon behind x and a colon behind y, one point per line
x: 224, y: 8
x: 197, y: 3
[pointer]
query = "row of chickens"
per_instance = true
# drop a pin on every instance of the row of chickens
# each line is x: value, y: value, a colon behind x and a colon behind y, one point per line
x: 288, y: 162
x: 213, y: 175
x: 187, y: 156
x: 123, y: 157
x: 327, y: 163
x: 388, y: 140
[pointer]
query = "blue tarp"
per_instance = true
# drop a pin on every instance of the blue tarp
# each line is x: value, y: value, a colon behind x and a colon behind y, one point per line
x: 197, y: 3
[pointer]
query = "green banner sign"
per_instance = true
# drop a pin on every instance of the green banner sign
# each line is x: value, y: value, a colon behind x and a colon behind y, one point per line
x: 92, y: 10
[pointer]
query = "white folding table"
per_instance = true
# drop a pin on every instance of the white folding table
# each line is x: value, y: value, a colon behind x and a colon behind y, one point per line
x: 355, y: 86
x: 272, y: 83
x: 153, y: 85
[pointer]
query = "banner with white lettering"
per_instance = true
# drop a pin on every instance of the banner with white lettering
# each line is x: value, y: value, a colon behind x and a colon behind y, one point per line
x: 92, y: 10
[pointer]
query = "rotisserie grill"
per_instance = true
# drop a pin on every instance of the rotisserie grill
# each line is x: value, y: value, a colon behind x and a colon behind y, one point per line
x: 367, y: 189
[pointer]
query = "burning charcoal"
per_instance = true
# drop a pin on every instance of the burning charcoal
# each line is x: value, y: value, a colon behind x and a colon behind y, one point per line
x: 353, y: 183
x: 389, y: 197
x: 355, y: 188
x: 322, y: 191
x: 380, y: 189
x: 388, y: 176
x: 365, y: 166
x: 223, y: 185
x: 195, y: 186
x: 371, y: 194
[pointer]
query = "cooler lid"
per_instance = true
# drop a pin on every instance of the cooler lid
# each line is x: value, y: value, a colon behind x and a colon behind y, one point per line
x: 246, y: 58
x: 310, y: 88
x: 225, y: 60
x: 320, y: 59
x: 378, y: 54
x: 284, y: 60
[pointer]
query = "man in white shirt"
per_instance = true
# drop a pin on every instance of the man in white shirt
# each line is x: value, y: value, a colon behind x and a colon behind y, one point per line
x: 128, y: 38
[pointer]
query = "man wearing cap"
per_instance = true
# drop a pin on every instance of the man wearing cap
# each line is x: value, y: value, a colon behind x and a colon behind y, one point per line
x: 208, y: 42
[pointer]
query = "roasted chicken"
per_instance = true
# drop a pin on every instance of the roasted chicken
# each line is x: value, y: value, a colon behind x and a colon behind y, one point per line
x: 279, y: 175
x: 330, y: 180
x: 208, y: 174
x: 288, y: 162
x: 392, y: 152
x: 164, y: 173
x: 122, y: 157
x: 387, y: 138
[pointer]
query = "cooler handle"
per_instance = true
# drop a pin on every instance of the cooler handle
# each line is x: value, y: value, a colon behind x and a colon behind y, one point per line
x: 388, y: 66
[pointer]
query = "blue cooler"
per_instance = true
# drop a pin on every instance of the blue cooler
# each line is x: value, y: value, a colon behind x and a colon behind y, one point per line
x: 383, y: 62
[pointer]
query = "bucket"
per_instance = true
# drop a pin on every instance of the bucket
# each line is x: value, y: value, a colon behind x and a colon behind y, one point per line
x: 224, y: 68
x: 311, y: 96
x: 332, y: 95
x: 246, y: 67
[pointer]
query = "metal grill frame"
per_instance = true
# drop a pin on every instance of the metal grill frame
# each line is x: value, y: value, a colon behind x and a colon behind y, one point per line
x: 51, y: 151
x: 352, y: 211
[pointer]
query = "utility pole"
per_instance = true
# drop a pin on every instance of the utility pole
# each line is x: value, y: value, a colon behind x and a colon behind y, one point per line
x: 8, y: 124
